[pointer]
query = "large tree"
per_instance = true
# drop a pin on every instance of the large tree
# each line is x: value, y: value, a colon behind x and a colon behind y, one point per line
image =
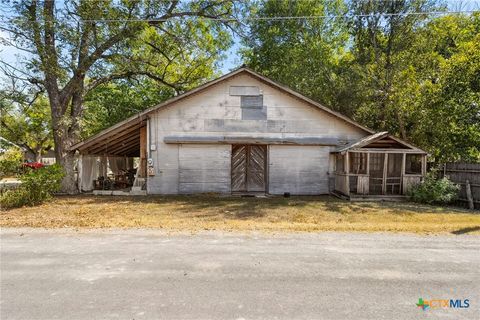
x: 384, y: 33
x: 445, y: 114
x: 75, y: 46
x: 302, y: 50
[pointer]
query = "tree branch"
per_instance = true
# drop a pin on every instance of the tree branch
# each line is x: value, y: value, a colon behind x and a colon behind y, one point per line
x: 99, y: 81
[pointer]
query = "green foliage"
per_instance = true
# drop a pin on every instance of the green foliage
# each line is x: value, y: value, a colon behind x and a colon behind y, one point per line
x: 10, y: 162
x: 14, y: 198
x: 434, y: 191
x: 448, y: 109
x: 384, y: 61
x: 304, y: 54
x: 26, y: 123
x: 113, y: 102
x: 37, y: 186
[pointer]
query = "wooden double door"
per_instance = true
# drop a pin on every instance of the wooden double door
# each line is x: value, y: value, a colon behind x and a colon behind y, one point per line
x: 249, y: 168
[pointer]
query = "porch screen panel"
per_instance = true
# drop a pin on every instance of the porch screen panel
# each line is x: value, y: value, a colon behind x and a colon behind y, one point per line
x: 394, y: 173
x: 413, y: 164
x: 358, y: 163
x: 340, y: 163
x: 376, y: 172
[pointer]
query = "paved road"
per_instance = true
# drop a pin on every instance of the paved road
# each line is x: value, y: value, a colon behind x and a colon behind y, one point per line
x: 147, y: 274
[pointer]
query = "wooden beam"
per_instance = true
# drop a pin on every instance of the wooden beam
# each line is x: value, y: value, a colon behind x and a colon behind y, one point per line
x: 80, y: 172
x: 291, y: 140
x: 368, y: 163
x: 347, y: 163
x: 385, y: 171
x: 118, y: 147
x: 100, y: 139
x: 424, y: 165
x: 118, y: 127
x: 106, y: 143
x: 382, y: 150
x: 142, y: 167
x: 404, y: 161
x: 131, y: 145
x: 460, y: 170
x: 135, y: 149
x: 109, y: 140
x: 367, y: 189
x: 347, y: 171
x: 468, y: 192
x: 133, y: 138
x: 109, y: 148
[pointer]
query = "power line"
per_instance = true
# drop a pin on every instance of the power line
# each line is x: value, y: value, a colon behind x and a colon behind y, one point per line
x: 221, y: 19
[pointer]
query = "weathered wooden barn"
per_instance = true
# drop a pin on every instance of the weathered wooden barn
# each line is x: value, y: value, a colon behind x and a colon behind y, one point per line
x: 246, y: 134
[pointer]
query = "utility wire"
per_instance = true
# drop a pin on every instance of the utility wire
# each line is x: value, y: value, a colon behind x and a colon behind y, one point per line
x: 5, y: 19
x: 251, y: 18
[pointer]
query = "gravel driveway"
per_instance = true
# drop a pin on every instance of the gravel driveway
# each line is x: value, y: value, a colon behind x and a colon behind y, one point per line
x: 148, y: 274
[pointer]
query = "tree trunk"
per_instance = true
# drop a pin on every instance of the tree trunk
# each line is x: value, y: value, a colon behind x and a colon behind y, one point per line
x: 38, y: 155
x: 65, y: 158
x: 66, y: 112
x: 401, y: 125
x: 63, y: 139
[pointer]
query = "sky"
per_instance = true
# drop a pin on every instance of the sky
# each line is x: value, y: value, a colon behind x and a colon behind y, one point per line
x: 232, y: 57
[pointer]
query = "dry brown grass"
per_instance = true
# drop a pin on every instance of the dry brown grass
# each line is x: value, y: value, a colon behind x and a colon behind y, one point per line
x: 195, y: 213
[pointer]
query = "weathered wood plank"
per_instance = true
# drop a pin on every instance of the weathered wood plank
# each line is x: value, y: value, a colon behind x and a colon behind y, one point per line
x: 298, y: 169
x: 239, y: 168
x: 204, y: 168
x: 409, y: 181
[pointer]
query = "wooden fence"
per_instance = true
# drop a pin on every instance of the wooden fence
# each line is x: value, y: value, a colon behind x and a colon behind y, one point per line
x: 460, y: 173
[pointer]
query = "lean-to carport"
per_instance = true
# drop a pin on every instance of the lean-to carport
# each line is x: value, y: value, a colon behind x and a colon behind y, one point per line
x: 113, y: 150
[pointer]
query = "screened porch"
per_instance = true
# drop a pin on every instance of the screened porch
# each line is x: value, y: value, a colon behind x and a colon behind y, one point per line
x: 378, y: 166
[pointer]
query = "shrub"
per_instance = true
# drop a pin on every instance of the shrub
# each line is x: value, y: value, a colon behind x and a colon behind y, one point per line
x: 9, y: 168
x: 37, y: 186
x: 10, y: 163
x: 433, y: 190
x: 14, y: 198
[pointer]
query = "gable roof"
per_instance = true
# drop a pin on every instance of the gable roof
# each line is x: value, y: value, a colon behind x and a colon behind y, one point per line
x: 137, y: 119
x: 365, y: 141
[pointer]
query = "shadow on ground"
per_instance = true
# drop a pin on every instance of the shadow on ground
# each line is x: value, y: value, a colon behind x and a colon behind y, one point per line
x: 466, y: 230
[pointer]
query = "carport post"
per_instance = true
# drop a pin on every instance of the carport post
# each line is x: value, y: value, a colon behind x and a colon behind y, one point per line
x: 79, y: 172
x: 347, y: 172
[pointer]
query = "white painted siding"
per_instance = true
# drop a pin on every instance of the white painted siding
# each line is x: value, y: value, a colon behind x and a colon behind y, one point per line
x: 204, y: 168
x: 165, y: 161
x: 215, y: 112
x: 298, y: 169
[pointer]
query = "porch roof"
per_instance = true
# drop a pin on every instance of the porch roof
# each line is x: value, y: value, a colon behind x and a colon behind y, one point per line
x: 380, y: 141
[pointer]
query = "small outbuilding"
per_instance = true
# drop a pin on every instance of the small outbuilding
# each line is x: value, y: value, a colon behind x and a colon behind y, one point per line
x: 246, y: 134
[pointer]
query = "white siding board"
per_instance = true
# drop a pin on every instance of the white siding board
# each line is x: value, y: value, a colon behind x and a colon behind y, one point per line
x: 244, y: 91
x: 165, y: 181
x: 204, y: 168
x: 166, y: 157
x: 298, y: 169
